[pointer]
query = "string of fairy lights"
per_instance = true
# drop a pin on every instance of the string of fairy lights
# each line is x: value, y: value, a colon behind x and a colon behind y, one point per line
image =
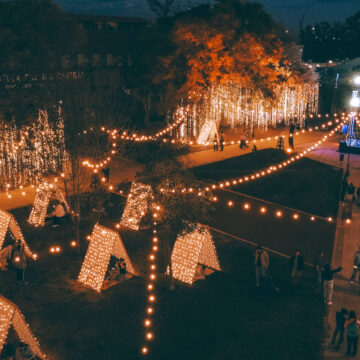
x: 150, y: 287
x: 247, y: 206
x: 96, y: 166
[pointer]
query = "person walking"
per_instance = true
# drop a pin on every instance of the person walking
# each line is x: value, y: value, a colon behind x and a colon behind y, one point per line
x: 106, y: 173
x: 254, y: 148
x: 328, y: 278
x: 222, y: 142
x: 352, y: 335
x: 339, y: 328
x: 216, y: 144
x: 296, y: 266
x: 356, y: 266
x: 292, y: 128
x: 243, y: 141
x: 291, y: 141
x: 262, y: 264
x: 351, y: 192
x: 319, y: 266
x: 19, y: 260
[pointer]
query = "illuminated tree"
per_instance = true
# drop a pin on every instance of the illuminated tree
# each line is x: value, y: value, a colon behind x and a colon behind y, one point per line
x: 231, y: 49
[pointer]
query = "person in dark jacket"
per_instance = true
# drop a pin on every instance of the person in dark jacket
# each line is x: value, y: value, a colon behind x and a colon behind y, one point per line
x: 328, y: 278
x: 296, y: 266
x: 352, y: 334
x: 341, y: 317
x: 222, y: 142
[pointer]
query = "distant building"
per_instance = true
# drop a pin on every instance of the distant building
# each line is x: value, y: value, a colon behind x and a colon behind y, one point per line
x: 102, y: 23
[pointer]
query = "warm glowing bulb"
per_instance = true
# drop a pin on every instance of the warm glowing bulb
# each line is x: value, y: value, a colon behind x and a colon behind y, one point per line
x: 295, y: 216
x: 230, y: 203
x: 73, y: 243
x: 263, y: 210
x: 348, y: 221
x: 147, y: 322
x: 246, y: 206
x: 278, y: 213
x: 150, y: 310
x: 149, y: 335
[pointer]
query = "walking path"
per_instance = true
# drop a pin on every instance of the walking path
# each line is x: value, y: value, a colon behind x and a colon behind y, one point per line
x: 347, y: 241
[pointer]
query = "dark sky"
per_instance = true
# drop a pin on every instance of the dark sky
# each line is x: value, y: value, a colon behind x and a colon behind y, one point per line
x: 287, y: 11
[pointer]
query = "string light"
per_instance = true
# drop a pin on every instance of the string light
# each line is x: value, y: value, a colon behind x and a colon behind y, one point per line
x: 11, y: 315
x: 104, y: 243
x: 41, y: 151
x: 97, y: 165
x: 239, y: 106
x: 271, y: 169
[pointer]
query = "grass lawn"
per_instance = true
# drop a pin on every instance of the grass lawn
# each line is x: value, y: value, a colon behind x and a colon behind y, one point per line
x: 306, y: 185
x: 223, y: 317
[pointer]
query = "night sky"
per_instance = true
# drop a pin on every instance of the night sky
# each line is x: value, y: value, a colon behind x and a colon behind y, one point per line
x: 287, y: 11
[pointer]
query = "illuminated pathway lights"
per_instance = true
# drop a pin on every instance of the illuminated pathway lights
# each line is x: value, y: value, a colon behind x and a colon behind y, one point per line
x: 150, y: 287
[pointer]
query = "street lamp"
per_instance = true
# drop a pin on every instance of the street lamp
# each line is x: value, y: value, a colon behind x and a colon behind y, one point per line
x: 357, y: 80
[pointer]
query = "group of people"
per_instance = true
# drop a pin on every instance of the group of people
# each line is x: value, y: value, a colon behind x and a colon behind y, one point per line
x: 243, y: 142
x: 348, y: 192
x: 116, y: 269
x: 325, y: 275
x: 346, y: 321
x: 57, y: 215
x: 20, y: 352
x: 216, y: 142
x: 14, y: 256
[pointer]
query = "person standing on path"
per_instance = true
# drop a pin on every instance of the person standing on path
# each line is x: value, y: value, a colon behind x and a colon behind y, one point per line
x: 19, y: 260
x: 291, y: 141
x: 216, y: 144
x: 340, y: 328
x: 328, y: 278
x: 356, y: 266
x: 351, y: 326
x: 262, y: 264
x: 296, y: 266
x: 222, y: 142
x: 106, y: 173
x: 351, y: 192
x: 319, y: 266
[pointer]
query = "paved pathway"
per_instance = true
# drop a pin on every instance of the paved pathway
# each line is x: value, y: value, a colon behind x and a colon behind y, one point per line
x: 347, y: 240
